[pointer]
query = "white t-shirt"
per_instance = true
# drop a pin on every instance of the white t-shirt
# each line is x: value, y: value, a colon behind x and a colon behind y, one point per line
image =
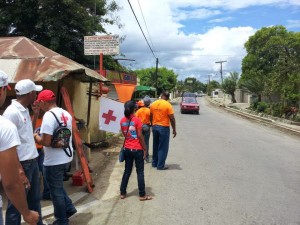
x: 19, y: 116
x: 56, y: 156
x: 8, y: 137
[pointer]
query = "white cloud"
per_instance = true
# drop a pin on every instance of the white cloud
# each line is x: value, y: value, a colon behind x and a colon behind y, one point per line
x: 187, y: 54
x: 220, y: 20
x: 293, y: 24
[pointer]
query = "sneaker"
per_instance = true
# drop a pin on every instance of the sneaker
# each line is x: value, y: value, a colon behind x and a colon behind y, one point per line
x: 164, y: 168
x: 71, y: 212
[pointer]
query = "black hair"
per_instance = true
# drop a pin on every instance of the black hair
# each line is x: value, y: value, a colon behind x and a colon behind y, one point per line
x: 129, y: 108
x: 166, y: 94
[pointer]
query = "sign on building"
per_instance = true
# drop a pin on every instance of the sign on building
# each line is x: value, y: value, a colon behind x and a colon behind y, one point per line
x: 106, y: 44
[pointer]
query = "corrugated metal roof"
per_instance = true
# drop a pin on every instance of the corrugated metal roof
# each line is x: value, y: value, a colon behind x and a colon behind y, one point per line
x: 23, y: 58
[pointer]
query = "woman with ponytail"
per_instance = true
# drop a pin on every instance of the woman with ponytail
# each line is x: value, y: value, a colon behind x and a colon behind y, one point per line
x: 135, y: 150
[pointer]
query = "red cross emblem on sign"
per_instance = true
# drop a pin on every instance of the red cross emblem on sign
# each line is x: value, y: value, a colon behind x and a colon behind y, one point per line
x: 109, y: 117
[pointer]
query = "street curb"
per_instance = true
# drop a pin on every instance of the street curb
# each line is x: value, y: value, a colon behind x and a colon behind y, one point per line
x: 254, y: 117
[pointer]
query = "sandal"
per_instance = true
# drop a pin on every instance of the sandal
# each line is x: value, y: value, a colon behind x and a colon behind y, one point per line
x: 146, y: 197
x: 123, y: 196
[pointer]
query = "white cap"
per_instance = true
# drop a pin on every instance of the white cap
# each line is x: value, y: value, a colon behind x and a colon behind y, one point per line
x: 3, y: 79
x: 25, y: 86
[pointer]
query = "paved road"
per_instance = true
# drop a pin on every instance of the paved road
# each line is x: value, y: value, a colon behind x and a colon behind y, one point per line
x: 224, y: 170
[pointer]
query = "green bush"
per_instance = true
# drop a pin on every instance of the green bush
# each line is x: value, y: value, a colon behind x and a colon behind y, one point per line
x: 262, y: 107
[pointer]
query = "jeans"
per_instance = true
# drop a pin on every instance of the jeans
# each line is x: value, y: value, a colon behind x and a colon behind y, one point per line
x: 146, y: 135
x: 1, y: 216
x: 46, y: 192
x: 161, y: 137
x: 61, y: 202
x: 136, y: 156
x: 31, y: 170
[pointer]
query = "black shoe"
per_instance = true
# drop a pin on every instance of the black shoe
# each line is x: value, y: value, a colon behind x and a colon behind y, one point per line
x: 164, y: 168
x: 71, y: 213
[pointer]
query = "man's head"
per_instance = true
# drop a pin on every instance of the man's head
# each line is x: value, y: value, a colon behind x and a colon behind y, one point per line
x: 46, y: 99
x: 165, y: 95
x: 26, y: 91
x: 3, y: 86
x: 147, y: 100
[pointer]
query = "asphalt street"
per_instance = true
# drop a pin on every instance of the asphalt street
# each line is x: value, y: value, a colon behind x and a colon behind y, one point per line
x: 223, y: 169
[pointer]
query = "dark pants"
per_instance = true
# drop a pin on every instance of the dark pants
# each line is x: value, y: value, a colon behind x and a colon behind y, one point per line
x: 146, y: 134
x: 161, y: 137
x: 136, y: 156
x: 31, y: 170
x: 61, y: 202
x: 46, y: 191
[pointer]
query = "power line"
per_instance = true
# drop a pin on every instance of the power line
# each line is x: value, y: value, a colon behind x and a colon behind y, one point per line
x: 141, y: 29
x: 145, y: 24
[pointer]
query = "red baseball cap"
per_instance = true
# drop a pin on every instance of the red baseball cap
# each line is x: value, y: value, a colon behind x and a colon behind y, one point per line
x: 46, y: 95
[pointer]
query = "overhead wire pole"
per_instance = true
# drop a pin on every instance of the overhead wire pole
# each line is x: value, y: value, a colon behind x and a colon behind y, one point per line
x: 221, y: 70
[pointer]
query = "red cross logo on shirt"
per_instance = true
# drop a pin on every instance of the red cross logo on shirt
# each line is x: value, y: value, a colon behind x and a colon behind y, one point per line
x: 109, y: 116
x: 64, y: 118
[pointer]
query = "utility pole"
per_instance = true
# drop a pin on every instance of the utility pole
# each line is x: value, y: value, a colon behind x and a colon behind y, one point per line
x: 156, y: 71
x: 221, y: 70
x: 209, y: 76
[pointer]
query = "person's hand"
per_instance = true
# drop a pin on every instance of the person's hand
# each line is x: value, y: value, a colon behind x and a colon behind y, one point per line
x: 31, y: 218
x: 24, y: 180
x: 145, y: 154
x: 174, y: 133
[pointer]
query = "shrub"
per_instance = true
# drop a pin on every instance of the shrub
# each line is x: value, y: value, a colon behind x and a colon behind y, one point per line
x: 262, y: 107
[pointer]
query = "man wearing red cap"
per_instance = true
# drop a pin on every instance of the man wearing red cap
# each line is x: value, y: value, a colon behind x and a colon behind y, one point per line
x: 18, y: 113
x: 9, y: 163
x: 56, y: 161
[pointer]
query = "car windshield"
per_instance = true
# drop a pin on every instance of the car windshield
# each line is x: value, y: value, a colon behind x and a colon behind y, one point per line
x: 189, y: 100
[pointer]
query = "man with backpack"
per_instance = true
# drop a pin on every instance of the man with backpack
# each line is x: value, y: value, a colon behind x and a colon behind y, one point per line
x: 56, y: 137
x: 18, y: 113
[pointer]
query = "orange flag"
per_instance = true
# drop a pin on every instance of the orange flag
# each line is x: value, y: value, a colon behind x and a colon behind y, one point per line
x: 124, y: 91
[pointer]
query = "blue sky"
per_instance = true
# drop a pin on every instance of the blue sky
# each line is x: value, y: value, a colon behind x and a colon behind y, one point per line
x: 189, y: 36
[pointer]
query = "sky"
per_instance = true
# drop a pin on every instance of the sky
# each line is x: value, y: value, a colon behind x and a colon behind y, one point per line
x: 190, y: 36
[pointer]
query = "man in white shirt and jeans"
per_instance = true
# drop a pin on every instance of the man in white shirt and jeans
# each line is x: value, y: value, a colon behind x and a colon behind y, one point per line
x: 18, y: 114
x: 56, y: 160
x: 12, y: 181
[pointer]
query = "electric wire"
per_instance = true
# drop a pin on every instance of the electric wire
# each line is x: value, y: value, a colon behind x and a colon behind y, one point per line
x: 141, y: 28
x: 145, y: 24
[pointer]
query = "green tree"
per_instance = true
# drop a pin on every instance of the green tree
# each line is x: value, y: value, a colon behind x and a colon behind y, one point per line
x: 229, y: 85
x: 58, y: 25
x: 272, y: 63
x: 212, y: 86
x: 166, y: 79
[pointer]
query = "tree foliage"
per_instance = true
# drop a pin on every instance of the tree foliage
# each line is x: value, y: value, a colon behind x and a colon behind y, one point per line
x: 165, y: 80
x: 191, y: 84
x: 272, y: 64
x: 230, y: 84
x: 212, y: 86
x: 58, y: 25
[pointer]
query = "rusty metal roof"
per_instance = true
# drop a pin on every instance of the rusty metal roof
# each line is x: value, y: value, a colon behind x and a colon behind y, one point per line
x: 23, y: 58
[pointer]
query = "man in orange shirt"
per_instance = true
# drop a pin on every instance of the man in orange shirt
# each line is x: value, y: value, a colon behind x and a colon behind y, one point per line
x: 161, y: 116
x: 144, y: 114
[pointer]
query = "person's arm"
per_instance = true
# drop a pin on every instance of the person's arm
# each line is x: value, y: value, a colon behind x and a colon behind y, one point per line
x: 13, y: 186
x: 173, y: 124
x: 44, y: 140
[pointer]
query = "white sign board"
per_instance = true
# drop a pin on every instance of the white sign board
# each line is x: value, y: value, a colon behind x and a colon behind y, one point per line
x: 106, y: 44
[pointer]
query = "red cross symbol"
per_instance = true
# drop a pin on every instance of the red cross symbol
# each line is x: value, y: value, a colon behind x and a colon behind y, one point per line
x: 64, y: 118
x: 109, y: 117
